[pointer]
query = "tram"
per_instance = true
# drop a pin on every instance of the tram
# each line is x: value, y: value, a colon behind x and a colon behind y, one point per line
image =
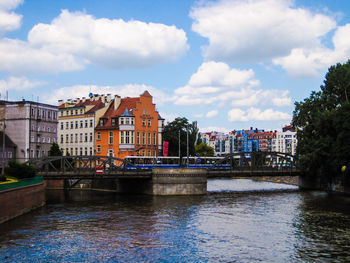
x: 149, y: 162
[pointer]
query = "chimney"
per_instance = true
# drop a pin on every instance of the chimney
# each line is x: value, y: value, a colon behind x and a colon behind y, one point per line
x: 117, y: 101
x: 109, y: 97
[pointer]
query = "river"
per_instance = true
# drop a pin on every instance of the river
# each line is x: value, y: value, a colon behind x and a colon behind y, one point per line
x: 237, y: 221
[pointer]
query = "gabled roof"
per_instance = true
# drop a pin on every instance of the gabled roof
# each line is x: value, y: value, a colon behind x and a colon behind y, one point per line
x: 160, y: 117
x: 146, y: 94
x: 126, y: 104
x: 127, y: 113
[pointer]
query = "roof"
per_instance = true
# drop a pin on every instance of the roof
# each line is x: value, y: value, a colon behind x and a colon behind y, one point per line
x: 128, y: 104
x: 146, y: 94
x: 160, y: 117
x: 127, y: 113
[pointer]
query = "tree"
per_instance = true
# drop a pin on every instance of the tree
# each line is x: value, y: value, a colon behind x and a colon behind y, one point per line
x: 55, y: 150
x: 171, y: 134
x: 323, y: 125
x: 203, y: 149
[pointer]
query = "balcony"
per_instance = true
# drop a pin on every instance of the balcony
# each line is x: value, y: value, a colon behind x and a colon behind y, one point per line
x: 126, y: 127
x: 126, y: 146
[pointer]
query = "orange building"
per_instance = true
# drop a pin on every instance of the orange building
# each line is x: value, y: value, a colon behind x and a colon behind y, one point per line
x: 130, y: 126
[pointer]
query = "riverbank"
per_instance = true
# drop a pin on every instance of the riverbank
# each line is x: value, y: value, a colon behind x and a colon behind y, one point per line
x: 18, y: 198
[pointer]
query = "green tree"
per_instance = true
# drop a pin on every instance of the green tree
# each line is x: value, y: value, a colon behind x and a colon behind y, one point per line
x: 55, y: 150
x: 171, y: 134
x: 203, y: 149
x: 323, y: 125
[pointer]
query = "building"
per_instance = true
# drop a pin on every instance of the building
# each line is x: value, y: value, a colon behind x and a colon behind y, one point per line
x: 286, y: 142
x: 9, y: 147
x: 263, y: 140
x: 31, y: 126
x: 130, y: 126
x: 77, y: 120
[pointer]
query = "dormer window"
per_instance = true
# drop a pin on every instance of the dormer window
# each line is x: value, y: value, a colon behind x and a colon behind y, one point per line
x: 121, y: 120
x: 127, y: 120
x: 113, y: 122
x: 132, y: 121
x: 101, y: 122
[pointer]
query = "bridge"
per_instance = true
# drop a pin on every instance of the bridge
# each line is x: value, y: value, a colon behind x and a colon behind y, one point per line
x: 236, y: 164
x: 185, y: 178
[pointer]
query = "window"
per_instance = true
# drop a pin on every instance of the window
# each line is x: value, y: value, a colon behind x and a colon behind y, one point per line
x: 132, y: 137
x: 48, y: 140
x: 81, y: 151
x: 143, y: 122
x: 121, y: 120
x: 61, y: 125
x: 86, y: 123
x: 33, y: 112
x: 48, y: 129
x: 98, y: 136
x: 76, y: 112
x: 122, y: 139
x: 81, y: 111
x: 90, y: 150
x: 154, y: 139
x: 76, y: 124
x: 67, y: 138
x: 67, y: 125
x: 81, y: 124
x: 113, y: 122
x: 127, y: 137
x: 91, y: 123
x: 42, y: 153
x: 71, y: 138
x: 76, y: 137
x: 138, y: 138
x: 86, y: 152
x: 86, y: 137
x: 149, y: 123
x: 49, y: 114
x: 32, y: 153
x: 71, y: 124
x: 132, y: 121
x: 127, y: 121
x: 9, y: 154
x: 61, y: 138
x: 110, y: 152
x: 149, y: 139
x: 76, y: 151
x: 81, y: 137
x: 110, y: 137
x: 143, y: 138
x: 90, y: 136
x: 149, y: 153
x: 98, y: 148
x: 32, y: 138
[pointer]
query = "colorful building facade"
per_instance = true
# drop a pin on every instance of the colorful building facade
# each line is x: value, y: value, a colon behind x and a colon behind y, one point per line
x: 130, y: 127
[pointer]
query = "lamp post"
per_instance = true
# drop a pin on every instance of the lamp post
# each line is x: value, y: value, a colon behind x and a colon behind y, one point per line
x: 187, y: 148
x: 3, y: 148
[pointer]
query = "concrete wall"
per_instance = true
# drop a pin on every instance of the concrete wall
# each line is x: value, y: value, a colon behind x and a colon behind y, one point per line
x: 17, y: 201
x: 179, y: 182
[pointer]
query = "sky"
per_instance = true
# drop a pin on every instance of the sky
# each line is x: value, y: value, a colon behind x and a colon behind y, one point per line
x: 227, y: 64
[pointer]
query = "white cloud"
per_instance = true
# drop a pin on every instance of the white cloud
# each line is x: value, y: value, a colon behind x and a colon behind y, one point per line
x: 110, y: 43
x: 129, y: 90
x: 254, y: 114
x: 217, y: 83
x: 214, y: 128
x: 307, y: 62
x: 18, y: 84
x: 257, y: 30
x: 168, y: 117
x: 212, y: 114
x: 9, y: 20
x: 74, y: 40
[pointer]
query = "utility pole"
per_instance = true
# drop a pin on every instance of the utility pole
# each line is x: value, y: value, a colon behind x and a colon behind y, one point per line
x: 187, y: 148
x: 3, y: 148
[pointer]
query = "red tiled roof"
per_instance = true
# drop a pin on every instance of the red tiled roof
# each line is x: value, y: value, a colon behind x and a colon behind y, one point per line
x: 129, y: 103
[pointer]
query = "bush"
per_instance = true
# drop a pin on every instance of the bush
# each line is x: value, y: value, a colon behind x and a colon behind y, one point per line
x: 20, y: 170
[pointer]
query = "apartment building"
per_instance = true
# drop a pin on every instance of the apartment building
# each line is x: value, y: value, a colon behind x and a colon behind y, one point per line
x: 77, y: 120
x: 130, y: 126
x: 31, y: 126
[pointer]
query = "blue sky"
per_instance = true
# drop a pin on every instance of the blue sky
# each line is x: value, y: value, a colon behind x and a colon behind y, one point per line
x: 227, y: 64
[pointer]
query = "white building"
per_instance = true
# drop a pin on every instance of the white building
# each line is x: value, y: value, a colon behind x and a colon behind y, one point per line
x: 77, y: 120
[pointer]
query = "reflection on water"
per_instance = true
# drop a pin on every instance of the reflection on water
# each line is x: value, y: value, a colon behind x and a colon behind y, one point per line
x: 239, y: 220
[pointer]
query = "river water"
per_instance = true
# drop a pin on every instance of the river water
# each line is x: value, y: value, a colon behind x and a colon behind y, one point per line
x: 238, y: 221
